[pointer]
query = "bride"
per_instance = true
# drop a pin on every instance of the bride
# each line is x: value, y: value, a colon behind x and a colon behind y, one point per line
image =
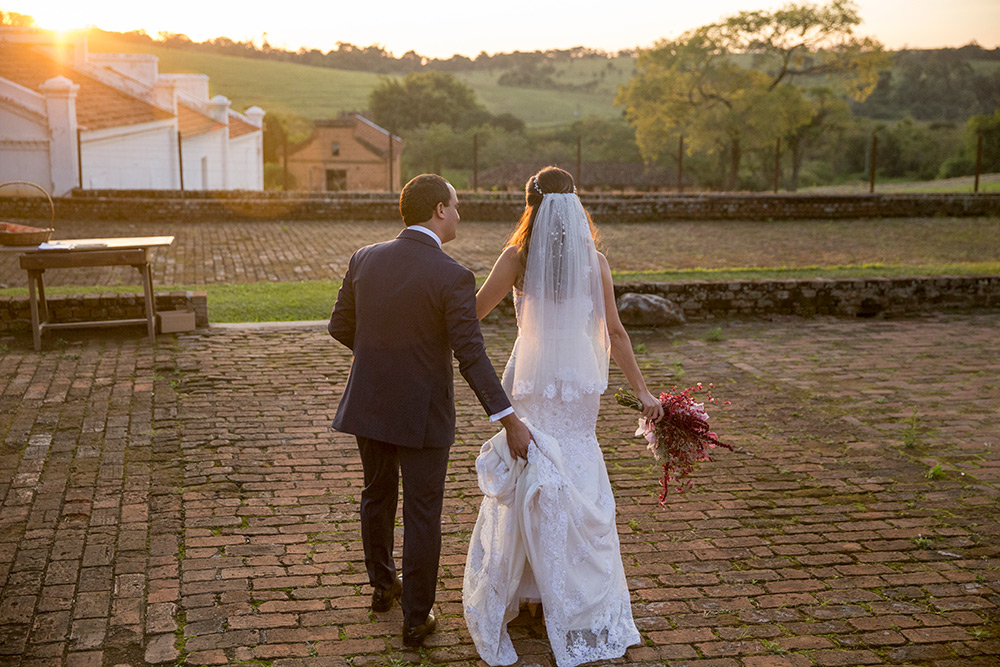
x: 546, y: 528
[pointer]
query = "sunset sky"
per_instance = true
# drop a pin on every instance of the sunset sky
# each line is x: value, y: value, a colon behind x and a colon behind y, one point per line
x: 442, y: 29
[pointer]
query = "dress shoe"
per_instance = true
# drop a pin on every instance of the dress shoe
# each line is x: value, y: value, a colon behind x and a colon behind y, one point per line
x: 414, y: 637
x: 382, y: 597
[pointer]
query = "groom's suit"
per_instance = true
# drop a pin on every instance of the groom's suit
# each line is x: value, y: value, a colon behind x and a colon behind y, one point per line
x: 405, y: 306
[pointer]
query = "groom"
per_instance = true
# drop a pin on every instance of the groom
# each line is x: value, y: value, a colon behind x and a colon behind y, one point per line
x: 405, y: 306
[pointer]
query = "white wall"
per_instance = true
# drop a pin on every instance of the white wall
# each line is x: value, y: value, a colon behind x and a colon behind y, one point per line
x: 207, y: 145
x: 24, y: 148
x: 193, y: 86
x: 139, y: 66
x: 131, y: 157
x: 246, y: 162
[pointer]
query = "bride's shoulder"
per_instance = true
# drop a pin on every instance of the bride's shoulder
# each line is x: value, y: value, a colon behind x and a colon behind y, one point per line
x: 510, y: 255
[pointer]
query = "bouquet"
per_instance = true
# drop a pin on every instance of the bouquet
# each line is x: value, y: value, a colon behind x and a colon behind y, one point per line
x: 681, y: 438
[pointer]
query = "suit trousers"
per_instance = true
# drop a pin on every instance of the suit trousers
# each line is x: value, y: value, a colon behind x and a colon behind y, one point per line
x: 423, y: 472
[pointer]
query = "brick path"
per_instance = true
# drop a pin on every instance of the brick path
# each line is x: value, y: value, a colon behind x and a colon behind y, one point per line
x: 208, y: 252
x: 189, y: 504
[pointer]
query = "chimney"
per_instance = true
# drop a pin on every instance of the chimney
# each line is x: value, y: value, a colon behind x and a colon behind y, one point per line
x: 218, y: 108
x: 255, y: 115
x: 60, y: 103
x: 80, y: 49
x: 165, y: 94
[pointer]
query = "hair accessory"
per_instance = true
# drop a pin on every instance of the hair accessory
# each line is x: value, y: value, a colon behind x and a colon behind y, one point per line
x: 538, y: 189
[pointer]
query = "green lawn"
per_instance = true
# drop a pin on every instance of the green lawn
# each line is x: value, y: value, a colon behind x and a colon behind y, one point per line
x: 321, y: 92
x: 293, y: 301
x: 313, y: 92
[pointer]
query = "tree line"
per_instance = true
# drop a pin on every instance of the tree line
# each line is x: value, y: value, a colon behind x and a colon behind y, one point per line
x: 373, y: 58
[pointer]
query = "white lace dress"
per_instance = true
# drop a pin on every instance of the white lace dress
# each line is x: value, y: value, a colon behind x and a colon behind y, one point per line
x: 546, y: 531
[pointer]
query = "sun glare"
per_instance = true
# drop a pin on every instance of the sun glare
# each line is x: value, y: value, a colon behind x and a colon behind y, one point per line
x: 60, y: 22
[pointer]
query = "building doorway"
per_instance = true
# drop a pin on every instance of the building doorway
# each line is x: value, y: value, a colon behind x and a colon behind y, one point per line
x: 336, y: 180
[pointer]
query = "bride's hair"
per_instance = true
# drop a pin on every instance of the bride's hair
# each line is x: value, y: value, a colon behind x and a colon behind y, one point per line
x: 550, y: 180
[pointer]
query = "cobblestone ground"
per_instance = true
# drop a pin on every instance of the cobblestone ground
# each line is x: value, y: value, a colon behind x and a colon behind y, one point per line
x: 189, y: 504
x: 208, y: 252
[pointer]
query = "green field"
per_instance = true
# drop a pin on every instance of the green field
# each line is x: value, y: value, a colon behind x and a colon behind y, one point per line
x: 313, y: 92
x: 321, y: 92
x: 541, y: 108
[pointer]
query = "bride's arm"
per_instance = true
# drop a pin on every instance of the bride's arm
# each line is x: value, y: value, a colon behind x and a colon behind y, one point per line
x: 499, y: 282
x: 621, y: 347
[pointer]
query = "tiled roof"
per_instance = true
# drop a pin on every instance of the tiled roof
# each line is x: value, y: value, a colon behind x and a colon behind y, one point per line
x: 98, y: 105
x: 192, y: 123
x: 238, y: 127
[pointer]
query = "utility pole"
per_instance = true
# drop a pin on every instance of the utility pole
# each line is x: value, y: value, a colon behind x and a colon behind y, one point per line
x: 680, y: 166
x: 871, y: 178
x: 390, y: 162
x: 777, y: 165
x: 979, y: 162
x: 284, y: 161
x: 475, y: 162
x: 579, y: 162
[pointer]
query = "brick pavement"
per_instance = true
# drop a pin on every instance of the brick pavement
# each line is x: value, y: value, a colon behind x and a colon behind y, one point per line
x: 241, y: 252
x: 189, y: 504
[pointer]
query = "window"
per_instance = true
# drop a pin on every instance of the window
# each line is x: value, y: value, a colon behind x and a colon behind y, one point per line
x: 335, y: 148
x: 336, y: 179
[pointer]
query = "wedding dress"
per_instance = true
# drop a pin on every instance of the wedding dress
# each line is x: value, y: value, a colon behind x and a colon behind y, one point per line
x: 546, y: 527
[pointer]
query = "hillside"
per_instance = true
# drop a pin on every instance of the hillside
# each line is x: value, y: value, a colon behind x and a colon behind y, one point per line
x: 549, y: 89
x: 313, y: 92
x: 321, y: 92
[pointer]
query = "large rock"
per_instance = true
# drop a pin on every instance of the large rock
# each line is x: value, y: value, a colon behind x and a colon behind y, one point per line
x: 648, y: 310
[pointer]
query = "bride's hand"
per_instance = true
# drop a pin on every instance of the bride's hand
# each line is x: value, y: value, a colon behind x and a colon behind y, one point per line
x: 652, y: 409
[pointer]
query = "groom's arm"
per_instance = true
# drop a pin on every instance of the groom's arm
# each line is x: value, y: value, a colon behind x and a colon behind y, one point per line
x: 343, y: 319
x: 466, y: 341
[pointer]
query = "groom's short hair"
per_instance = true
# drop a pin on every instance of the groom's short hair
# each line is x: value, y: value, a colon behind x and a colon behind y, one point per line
x: 421, y: 196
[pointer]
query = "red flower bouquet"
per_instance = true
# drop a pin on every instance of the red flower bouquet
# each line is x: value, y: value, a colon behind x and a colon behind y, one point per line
x: 681, y: 438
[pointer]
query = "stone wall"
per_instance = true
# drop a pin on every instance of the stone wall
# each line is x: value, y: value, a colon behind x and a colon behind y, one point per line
x: 15, y: 311
x: 844, y: 297
x: 700, y: 300
x: 170, y: 206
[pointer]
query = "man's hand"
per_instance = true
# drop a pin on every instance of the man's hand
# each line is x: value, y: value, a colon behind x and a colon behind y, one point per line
x: 518, y: 436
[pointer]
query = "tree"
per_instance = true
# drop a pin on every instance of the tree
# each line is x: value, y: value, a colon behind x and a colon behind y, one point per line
x: 987, y: 127
x: 727, y: 86
x: 827, y: 115
x: 421, y: 98
x: 17, y: 20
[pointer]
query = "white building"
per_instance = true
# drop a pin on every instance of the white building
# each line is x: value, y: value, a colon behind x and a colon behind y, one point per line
x: 70, y: 118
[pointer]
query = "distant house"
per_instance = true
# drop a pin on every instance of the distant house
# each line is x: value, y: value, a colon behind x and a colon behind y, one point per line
x: 70, y: 118
x: 347, y: 153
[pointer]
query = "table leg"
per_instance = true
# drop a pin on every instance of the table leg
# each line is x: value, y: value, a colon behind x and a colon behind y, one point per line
x: 36, y: 331
x: 147, y: 288
x: 42, y: 303
x: 149, y: 272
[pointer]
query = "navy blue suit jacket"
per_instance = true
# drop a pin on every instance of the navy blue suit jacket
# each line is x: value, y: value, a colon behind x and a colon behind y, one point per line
x: 404, y: 308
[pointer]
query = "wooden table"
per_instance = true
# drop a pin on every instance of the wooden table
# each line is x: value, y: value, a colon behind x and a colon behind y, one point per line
x: 76, y: 253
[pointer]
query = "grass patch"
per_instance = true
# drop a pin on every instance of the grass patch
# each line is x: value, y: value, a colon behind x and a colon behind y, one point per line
x: 247, y: 302
x: 313, y: 300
